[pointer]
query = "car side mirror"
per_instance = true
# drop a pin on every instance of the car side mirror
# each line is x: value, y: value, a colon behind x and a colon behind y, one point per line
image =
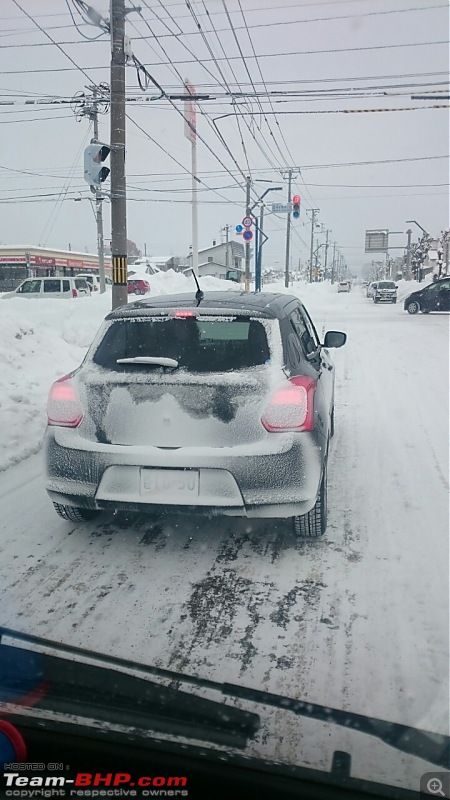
x: 334, y: 339
x: 396, y: 287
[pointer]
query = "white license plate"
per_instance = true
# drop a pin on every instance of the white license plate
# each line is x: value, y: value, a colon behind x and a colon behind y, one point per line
x: 170, y: 486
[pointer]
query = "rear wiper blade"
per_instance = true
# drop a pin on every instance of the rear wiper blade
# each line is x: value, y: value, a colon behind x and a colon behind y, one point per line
x: 432, y: 747
x: 157, y: 360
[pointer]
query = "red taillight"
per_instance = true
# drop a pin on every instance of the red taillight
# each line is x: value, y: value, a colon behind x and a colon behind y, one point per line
x: 63, y: 405
x: 74, y: 293
x: 291, y: 408
x: 184, y: 314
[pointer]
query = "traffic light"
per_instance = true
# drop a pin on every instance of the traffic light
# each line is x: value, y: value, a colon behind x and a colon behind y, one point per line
x: 94, y: 155
x: 296, y: 206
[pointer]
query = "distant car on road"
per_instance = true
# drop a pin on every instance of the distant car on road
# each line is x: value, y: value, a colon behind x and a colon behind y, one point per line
x: 138, y: 286
x: 344, y: 286
x: 370, y: 289
x: 223, y: 405
x: 385, y: 292
x: 434, y: 297
x: 47, y: 288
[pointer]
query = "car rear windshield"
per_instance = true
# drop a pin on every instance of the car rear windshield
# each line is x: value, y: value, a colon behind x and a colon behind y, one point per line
x: 386, y: 285
x: 198, y: 345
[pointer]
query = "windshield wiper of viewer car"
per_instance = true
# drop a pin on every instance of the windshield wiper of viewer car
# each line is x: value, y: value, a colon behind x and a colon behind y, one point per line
x: 178, y: 713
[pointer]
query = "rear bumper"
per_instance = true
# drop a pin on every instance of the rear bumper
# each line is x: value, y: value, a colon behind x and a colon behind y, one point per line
x: 281, y: 483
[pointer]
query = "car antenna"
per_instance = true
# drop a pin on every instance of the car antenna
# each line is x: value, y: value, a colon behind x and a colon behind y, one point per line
x: 199, y: 294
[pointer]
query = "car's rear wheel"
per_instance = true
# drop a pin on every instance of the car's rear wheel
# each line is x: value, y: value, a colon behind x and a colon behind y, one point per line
x: 73, y: 514
x: 413, y: 307
x: 138, y: 291
x: 314, y: 523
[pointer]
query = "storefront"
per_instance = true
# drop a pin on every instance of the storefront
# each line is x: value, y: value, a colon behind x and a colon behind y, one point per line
x: 17, y: 263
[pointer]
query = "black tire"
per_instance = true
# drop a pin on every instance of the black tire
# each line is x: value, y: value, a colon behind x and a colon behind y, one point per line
x: 375, y: 300
x: 394, y: 301
x: 314, y: 523
x: 332, y: 424
x: 138, y: 291
x: 73, y: 514
x: 413, y: 307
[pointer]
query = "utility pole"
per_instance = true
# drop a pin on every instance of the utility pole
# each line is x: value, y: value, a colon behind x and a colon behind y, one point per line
x: 98, y: 205
x: 333, y: 265
x: 227, y: 259
x: 247, y: 244
x: 118, y: 188
x: 314, y: 211
x: 326, y: 254
x: 288, y: 232
x: 90, y: 109
x: 408, y: 254
x: 261, y: 232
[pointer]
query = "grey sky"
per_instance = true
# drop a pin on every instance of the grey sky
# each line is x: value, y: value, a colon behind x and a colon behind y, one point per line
x: 50, y: 141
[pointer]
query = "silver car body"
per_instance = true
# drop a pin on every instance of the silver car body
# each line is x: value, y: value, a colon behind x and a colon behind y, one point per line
x: 189, y: 440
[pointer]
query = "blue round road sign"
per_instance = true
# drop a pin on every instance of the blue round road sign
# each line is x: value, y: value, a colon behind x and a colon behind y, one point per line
x: 239, y: 228
x: 247, y: 235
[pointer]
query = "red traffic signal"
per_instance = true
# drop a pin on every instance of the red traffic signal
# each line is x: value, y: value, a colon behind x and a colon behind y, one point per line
x: 296, y: 206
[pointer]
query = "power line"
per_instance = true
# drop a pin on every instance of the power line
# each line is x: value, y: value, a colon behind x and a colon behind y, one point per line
x: 223, y: 142
x: 237, y: 27
x: 216, y: 130
x: 51, y: 39
x: 163, y: 93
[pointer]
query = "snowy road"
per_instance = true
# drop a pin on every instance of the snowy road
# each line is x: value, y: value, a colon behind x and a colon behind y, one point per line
x: 358, y: 620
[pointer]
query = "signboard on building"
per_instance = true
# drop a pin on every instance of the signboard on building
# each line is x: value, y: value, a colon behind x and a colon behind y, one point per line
x: 190, y: 114
x: 377, y: 241
x: 43, y: 261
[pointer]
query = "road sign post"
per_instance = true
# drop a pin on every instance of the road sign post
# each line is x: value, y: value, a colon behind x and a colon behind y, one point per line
x: 281, y: 208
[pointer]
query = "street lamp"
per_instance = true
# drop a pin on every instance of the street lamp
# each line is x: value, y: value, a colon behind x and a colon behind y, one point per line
x: 270, y: 189
x: 419, y: 226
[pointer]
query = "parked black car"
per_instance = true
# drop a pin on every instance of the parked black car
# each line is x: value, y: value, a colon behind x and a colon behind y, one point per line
x: 433, y: 297
x: 225, y: 405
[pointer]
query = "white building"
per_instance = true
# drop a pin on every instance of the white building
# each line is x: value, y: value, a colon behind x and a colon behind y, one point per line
x: 214, y: 260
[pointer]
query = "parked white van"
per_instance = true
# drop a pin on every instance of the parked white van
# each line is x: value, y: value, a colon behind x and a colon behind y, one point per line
x: 94, y: 280
x: 45, y: 288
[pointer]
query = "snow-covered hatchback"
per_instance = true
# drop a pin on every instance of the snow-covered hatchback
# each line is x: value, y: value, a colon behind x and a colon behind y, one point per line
x: 226, y: 406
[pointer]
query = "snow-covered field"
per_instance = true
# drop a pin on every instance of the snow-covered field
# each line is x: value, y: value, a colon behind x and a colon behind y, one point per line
x: 357, y: 620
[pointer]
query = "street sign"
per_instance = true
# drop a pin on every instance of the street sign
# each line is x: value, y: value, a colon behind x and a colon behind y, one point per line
x: 239, y: 228
x: 247, y: 235
x: 377, y: 241
x: 281, y: 208
x: 247, y: 222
